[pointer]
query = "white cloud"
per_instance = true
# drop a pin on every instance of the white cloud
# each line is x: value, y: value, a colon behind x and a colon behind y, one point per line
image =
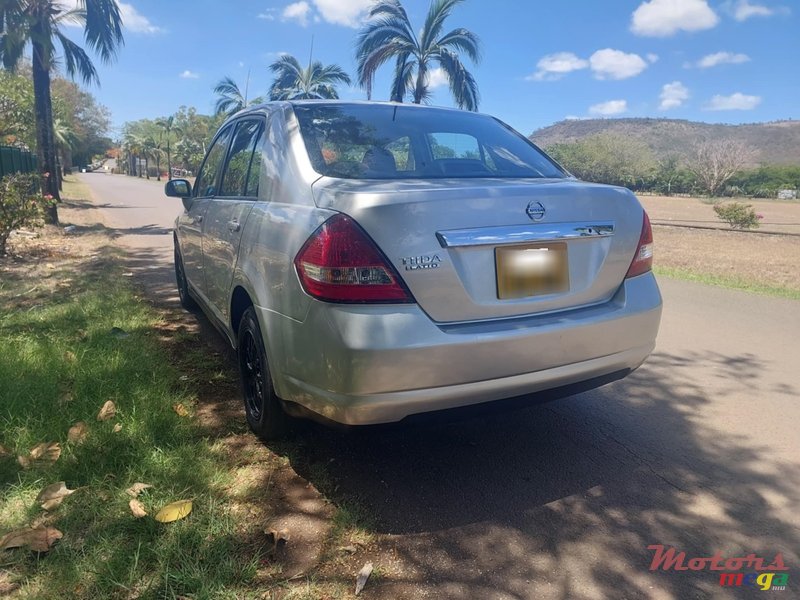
x: 297, y: 11
x: 555, y: 66
x: 187, y: 74
x: 612, y: 107
x: 663, y: 18
x: 737, y: 101
x: 742, y: 10
x: 673, y: 95
x: 349, y: 13
x: 437, y: 78
x: 135, y: 21
x: 722, y: 58
x: 652, y: 58
x: 614, y: 64
x: 267, y: 15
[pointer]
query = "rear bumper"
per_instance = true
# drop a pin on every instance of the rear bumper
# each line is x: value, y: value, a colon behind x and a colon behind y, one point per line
x: 361, y: 365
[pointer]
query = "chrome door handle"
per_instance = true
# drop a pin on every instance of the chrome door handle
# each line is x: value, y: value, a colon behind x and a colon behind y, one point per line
x: 233, y: 226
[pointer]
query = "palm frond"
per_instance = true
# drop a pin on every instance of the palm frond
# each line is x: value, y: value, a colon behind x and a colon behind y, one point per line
x: 403, y: 76
x: 77, y: 61
x: 462, y: 84
x: 463, y: 40
x: 103, y: 31
x: 437, y: 14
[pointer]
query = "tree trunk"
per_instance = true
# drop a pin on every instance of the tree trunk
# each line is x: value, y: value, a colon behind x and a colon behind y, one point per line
x: 420, y: 89
x: 158, y: 168
x: 147, y: 167
x: 43, y: 110
x: 169, y: 161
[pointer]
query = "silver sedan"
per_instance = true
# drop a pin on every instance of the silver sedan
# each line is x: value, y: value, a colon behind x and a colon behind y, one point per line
x: 373, y: 261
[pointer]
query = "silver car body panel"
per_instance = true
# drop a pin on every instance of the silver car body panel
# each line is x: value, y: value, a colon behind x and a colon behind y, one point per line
x: 458, y: 344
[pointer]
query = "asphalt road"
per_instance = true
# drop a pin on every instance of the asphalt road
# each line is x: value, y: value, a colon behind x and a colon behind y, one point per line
x: 699, y: 449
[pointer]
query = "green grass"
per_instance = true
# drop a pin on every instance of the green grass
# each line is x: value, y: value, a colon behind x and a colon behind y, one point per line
x: 59, y: 363
x: 735, y: 283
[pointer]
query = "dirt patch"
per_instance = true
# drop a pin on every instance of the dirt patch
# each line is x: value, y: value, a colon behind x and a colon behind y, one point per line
x: 770, y: 260
x: 779, y: 217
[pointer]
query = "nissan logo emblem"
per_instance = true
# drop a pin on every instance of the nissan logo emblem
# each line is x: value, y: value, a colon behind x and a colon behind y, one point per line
x: 535, y: 211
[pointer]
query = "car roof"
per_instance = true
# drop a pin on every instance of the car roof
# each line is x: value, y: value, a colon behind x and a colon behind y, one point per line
x: 268, y: 106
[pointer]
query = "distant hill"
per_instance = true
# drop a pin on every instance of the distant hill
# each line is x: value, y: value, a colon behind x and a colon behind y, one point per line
x: 776, y: 143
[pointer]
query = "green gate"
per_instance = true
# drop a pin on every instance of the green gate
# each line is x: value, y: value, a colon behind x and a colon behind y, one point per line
x: 15, y: 160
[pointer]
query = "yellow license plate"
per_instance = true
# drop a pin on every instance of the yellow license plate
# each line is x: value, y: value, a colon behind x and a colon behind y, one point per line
x: 536, y: 270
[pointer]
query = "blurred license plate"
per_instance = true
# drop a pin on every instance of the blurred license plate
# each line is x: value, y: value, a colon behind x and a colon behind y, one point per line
x: 524, y: 271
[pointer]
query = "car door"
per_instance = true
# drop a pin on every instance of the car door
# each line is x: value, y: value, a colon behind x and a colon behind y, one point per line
x: 227, y: 214
x: 191, y: 222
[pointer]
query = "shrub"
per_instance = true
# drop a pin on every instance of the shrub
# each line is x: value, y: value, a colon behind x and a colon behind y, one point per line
x: 738, y: 215
x: 21, y: 205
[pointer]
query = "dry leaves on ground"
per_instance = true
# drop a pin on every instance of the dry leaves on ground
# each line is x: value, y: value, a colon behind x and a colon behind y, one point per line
x: 174, y: 511
x: 108, y: 412
x: 6, y: 586
x: 51, y: 496
x: 137, y: 509
x: 78, y: 432
x: 38, y: 539
x: 180, y: 410
x: 117, y: 428
x: 45, y: 453
x: 4, y: 451
x: 137, y: 488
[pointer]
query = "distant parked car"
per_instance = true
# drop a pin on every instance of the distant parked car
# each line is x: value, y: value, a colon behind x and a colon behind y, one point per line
x: 373, y: 261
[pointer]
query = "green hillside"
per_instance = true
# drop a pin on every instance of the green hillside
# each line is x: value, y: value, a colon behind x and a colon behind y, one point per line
x: 775, y: 143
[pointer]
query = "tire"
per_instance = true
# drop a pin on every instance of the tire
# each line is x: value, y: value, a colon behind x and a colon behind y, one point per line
x: 187, y: 301
x: 262, y: 407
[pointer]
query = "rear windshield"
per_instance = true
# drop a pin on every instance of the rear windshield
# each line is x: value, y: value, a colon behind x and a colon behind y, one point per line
x: 402, y: 142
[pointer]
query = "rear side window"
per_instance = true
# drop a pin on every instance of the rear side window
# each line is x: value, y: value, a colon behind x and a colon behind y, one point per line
x: 384, y: 141
x: 236, y: 180
x: 206, y: 184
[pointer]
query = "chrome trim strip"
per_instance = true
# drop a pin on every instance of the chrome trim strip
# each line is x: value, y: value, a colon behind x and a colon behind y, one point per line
x: 520, y: 234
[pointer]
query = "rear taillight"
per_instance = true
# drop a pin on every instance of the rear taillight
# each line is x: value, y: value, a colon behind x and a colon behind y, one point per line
x: 643, y: 259
x: 340, y: 263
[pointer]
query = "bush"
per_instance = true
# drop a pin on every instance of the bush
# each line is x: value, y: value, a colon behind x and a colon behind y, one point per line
x: 738, y: 215
x: 21, y: 205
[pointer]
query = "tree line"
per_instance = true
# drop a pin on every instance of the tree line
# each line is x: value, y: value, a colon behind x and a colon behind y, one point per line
x: 711, y: 168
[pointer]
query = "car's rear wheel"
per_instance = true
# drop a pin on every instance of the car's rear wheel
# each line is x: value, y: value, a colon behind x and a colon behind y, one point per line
x: 262, y: 407
x: 183, y: 285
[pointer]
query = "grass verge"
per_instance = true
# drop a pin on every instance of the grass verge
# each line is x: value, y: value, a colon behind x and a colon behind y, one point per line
x: 735, y: 283
x: 72, y: 338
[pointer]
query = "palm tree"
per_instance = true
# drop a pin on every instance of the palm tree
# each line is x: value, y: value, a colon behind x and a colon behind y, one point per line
x: 168, y: 127
x: 152, y: 148
x: 39, y: 22
x: 231, y: 100
x: 65, y: 138
x: 388, y: 35
x: 293, y: 82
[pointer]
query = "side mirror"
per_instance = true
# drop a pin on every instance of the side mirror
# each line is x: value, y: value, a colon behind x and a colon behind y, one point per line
x: 178, y: 188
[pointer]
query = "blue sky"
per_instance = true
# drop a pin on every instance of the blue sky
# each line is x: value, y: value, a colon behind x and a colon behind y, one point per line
x: 731, y: 61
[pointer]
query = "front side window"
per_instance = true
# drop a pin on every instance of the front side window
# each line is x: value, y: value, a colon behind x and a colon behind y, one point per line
x: 361, y: 141
x: 206, y: 184
x: 235, y: 180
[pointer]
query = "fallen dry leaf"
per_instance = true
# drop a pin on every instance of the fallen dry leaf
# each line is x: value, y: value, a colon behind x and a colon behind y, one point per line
x: 51, y: 496
x: 6, y: 586
x: 180, y: 410
x: 137, y: 508
x: 4, y: 451
x: 70, y: 357
x: 363, y: 575
x: 44, y: 454
x: 78, y: 432
x: 108, y: 412
x: 174, y: 511
x: 137, y: 488
x: 117, y: 428
x: 38, y: 539
x: 65, y: 398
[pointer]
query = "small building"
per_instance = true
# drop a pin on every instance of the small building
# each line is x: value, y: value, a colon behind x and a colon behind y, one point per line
x: 787, y: 194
